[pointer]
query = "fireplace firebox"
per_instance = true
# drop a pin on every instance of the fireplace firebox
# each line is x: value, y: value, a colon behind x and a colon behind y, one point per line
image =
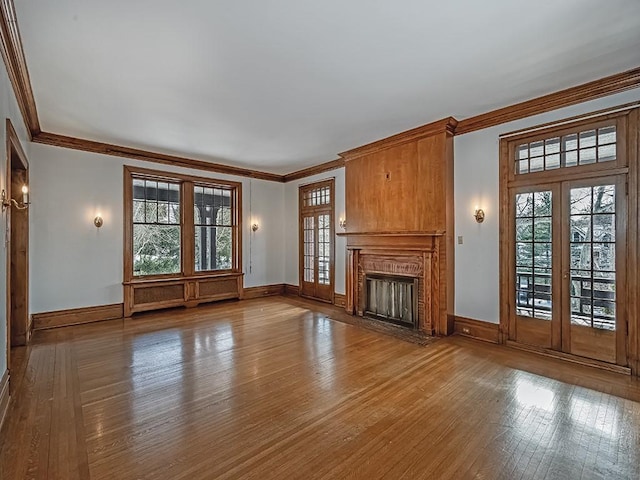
x: 392, y: 299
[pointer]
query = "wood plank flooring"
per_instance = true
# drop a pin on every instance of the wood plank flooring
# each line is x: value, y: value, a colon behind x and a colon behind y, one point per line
x: 272, y: 389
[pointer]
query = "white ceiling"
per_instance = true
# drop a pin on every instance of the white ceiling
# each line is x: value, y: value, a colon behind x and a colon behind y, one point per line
x: 279, y: 85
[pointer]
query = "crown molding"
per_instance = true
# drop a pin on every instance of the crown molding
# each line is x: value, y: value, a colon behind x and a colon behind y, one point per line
x: 315, y: 170
x: 603, y: 87
x: 13, y: 56
x: 446, y: 125
x: 74, y: 143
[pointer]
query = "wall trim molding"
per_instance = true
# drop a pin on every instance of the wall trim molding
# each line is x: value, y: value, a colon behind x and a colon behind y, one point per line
x: 602, y: 87
x: 262, y: 291
x: 339, y: 299
x: 4, y: 397
x: 445, y: 125
x: 53, y: 139
x: 469, y: 327
x: 314, y: 170
x: 290, y: 289
x: 77, y: 316
x: 14, y: 60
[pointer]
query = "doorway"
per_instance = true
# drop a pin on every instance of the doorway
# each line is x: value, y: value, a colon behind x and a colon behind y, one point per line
x: 316, y: 243
x: 15, y: 206
x: 567, y: 226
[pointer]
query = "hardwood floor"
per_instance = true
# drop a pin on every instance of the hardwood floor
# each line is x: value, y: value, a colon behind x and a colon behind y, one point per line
x: 270, y: 388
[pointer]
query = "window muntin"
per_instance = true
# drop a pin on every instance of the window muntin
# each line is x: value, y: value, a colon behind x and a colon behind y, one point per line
x: 213, y: 223
x: 156, y: 227
x: 578, y: 148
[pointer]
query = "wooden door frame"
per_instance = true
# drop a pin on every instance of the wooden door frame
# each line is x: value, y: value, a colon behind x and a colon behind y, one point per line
x: 628, y: 118
x: 331, y: 208
x: 14, y: 151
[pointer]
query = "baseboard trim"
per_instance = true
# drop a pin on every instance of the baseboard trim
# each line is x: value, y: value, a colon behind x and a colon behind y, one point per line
x: 485, y: 331
x: 339, y: 299
x: 263, y: 291
x: 77, y: 316
x: 570, y: 358
x: 4, y: 397
x: 291, y: 289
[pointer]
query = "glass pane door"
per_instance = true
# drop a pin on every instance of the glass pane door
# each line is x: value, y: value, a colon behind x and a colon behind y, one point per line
x: 593, y: 283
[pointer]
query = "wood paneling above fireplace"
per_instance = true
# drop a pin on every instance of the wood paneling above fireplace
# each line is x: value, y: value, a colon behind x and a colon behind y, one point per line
x: 399, y: 197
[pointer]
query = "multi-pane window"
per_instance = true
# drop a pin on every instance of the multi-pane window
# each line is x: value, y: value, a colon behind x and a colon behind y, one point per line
x: 587, y: 147
x: 593, y: 256
x: 317, y: 196
x: 156, y: 227
x: 533, y: 254
x: 213, y: 221
x: 167, y: 237
x: 309, y: 253
x: 324, y: 248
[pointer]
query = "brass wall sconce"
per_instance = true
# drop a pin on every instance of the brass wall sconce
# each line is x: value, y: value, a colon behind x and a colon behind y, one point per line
x: 255, y: 227
x: 343, y: 223
x: 479, y: 215
x: 98, y: 221
x: 7, y: 202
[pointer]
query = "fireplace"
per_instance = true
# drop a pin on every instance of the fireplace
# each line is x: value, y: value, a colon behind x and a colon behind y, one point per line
x: 391, y: 299
x: 395, y: 278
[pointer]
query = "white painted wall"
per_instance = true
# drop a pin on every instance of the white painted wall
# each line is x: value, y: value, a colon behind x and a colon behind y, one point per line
x: 74, y: 264
x: 8, y: 109
x: 476, y: 183
x: 291, y: 230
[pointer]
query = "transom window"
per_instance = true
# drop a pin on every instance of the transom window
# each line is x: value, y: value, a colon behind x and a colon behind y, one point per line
x: 314, y: 197
x: 586, y: 147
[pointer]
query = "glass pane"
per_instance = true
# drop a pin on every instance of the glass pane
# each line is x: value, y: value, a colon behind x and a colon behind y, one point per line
x: 603, y: 227
x: 570, y: 142
x: 587, y: 156
x: 606, y: 135
x: 138, y: 211
x: 536, y: 164
x: 542, y: 255
x: 570, y: 159
x: 581, y: 200
x: 580, y: 228
x: 552, y: 145
x: 542, y: 204
x: 587, y: 139
x: 604, y: 199
x: 581, y: 256
x: 536, y: 149
x: 156, y: 249
x: 524, y: 205
x: 524, y: 229
x: 606, y: 153
x: 542, y: 229
x: 523, y: 166
x: 524, y: 254
x: 552, y: 161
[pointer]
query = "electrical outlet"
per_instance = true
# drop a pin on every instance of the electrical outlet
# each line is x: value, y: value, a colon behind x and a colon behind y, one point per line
x: 466, y: 330
x: 460, y: 240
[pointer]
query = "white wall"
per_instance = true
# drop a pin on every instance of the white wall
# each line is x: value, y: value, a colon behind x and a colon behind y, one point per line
x: 291, y: 232
x: 8, y: 109
x: 74, y: 264
x: 476, y: 183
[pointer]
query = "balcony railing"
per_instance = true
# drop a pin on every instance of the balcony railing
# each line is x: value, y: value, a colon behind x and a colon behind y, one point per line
x: 591, y: 307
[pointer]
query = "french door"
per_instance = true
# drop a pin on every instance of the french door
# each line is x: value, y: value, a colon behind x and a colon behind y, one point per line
x: 316, y: 241
x: 568, y: 268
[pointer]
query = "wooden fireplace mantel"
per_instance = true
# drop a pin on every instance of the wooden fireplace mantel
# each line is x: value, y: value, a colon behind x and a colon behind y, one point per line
x: 392, y: 240
x: 409, y: 254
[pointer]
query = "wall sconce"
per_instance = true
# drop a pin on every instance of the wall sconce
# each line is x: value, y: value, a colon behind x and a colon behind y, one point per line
x: 255, y: 227
x: 479, y: 215
x: 98, y: 221
x: 343, y: 223
x: 7, y: 202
